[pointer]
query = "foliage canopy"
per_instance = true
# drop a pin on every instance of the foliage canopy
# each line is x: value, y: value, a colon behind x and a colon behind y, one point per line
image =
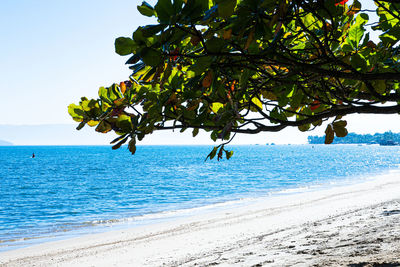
x: 248, y: 66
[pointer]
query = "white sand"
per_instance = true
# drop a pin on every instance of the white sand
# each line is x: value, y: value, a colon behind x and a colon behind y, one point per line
x: 348, y: 225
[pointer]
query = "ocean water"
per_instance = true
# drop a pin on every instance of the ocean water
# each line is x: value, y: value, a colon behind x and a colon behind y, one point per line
x: 67, y: 191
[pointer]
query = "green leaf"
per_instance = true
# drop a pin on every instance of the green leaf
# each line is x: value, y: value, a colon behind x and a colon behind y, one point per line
x: 356, y: 6
x: 359, y: 62
x: 146, y: 9
x: 388, y: 39
x: 279, y: 115
x: 257, y: 102
x: 310, y: 21
x: 137, y: 67
x: 103, y: 127
x: 357, y: 30
x: 149, y: 74
x: 329, y: 134
x: 104, y: 95
x: 139, y: 37
x: 244, y: 78
x: 92, y: 123
x: 216, y: 106
x: 81, y: 125
x: 226, y: 7
x: 132, y: 145
x: 124, y: 46
x: 304, y: 127
x: 228, y: 154
x: 212, y: 153
x: 124, y: 123
x: 346, y: 47
x: 391, y: 36
x: 201, y: 65
x: 379, y: 86
x: 365, y: 40
x: 120, y: 143
x: 340, y: 131
x: 164, y: 10
x: 88, y: 105
x: 151, y: 57
x: 133, y: 59
x: 118, y: 139
x: 215, y: 45
x: 195, y: 131
x: 330, y: 9
x: 76, y: 112
x: 339, y: 128
x: 214, y: 135
x: 178, y: 5
x: 151, y: 30
x: 340, y: 123
x: 317, y: 123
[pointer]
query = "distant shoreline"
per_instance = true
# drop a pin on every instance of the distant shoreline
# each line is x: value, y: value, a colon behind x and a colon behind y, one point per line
x: 5, y: 143
x: 384, y: 139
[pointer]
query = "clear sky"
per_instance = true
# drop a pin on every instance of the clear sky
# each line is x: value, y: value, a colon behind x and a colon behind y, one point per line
x: 54, y: 52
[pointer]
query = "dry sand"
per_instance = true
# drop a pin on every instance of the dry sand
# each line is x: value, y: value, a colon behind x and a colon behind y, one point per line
x: 356, y: 225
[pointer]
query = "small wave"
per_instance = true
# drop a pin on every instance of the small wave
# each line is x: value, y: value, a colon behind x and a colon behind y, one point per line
x: 20, y: 239
x: 150, y: 218
x: 395, y: 171
x: 67, y: 230
x: 293, y: 190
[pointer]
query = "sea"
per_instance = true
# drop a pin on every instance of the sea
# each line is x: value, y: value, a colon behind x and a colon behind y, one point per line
x: 68, y: 191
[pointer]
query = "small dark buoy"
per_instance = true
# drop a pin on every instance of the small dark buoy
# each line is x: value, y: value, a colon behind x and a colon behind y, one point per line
x: 33, y: 155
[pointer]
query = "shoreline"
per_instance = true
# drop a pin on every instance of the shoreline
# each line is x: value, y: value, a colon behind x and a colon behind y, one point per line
x: 170, y: 215
x: 335, y: 226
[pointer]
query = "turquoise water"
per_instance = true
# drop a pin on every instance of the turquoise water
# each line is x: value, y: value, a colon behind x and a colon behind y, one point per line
x: 66, y: 190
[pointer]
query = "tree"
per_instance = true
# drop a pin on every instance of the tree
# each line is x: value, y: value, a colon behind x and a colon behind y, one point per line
x: 250, y: 66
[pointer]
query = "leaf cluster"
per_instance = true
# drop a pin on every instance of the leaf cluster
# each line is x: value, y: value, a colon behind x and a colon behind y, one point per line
x: 248, y: 66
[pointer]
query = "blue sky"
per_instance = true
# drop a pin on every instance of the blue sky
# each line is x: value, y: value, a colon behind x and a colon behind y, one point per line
x: 54, y: 52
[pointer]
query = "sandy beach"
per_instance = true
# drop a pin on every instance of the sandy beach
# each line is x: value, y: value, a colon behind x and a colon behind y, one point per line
x: 353, y: 225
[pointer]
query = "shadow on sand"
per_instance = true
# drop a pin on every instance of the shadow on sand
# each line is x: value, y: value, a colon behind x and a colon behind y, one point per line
x: 375, y: 264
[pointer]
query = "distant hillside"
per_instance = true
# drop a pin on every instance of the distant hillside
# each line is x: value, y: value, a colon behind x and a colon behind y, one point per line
x: 59, y: 134
x: 387, y: 138
x: 5, y: 143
